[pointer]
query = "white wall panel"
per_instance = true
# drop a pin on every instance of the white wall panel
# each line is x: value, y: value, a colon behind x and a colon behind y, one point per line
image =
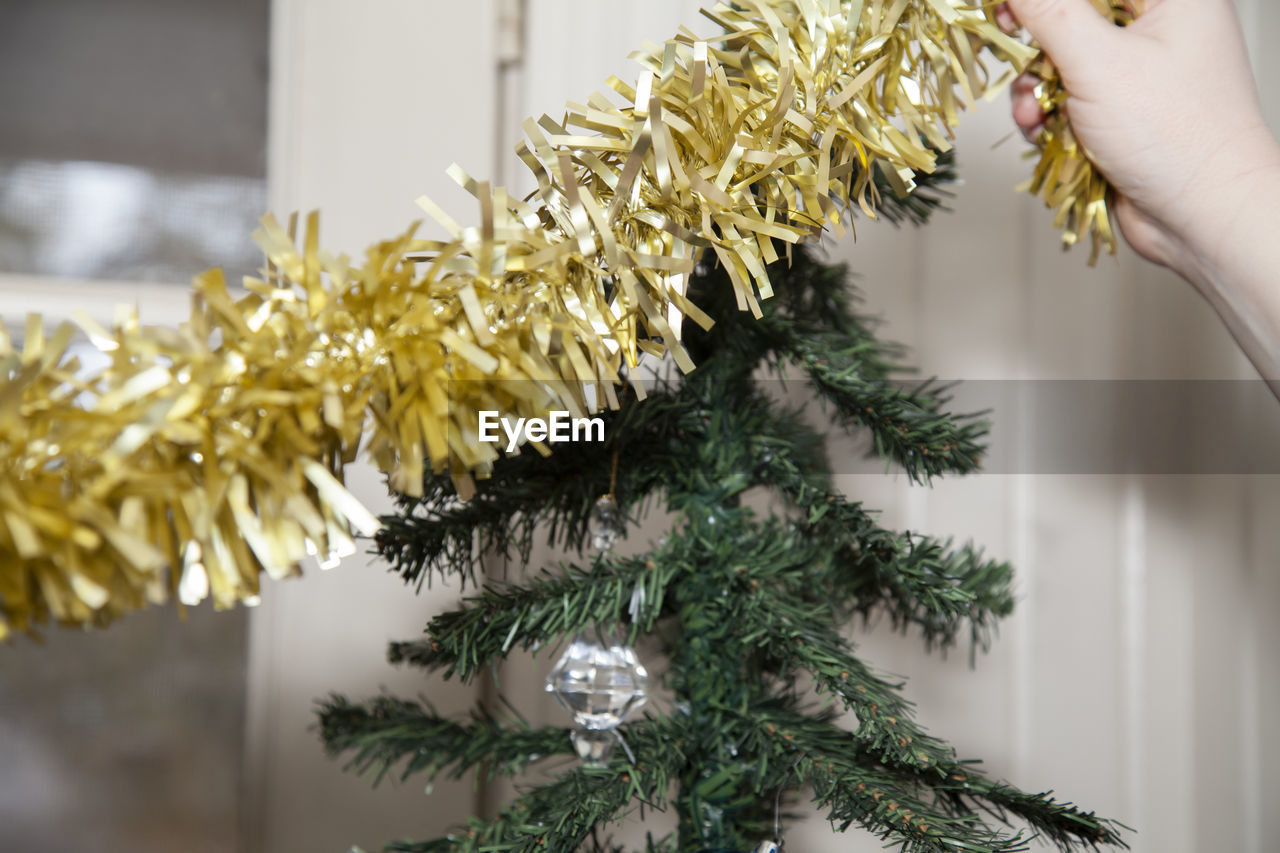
x: 1260, y: 737
x: 370, y: 103
x: 1168, y: 746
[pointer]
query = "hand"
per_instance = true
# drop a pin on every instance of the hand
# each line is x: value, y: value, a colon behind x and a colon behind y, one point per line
x: 1166, y: 109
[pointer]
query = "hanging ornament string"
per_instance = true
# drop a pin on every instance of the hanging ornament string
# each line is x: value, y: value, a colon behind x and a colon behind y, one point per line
x: 613, y: 475
x: 776, y: 844
x: 205, y: 455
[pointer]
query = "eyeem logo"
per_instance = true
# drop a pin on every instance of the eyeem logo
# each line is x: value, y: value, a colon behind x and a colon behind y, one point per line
x: 559, y: 427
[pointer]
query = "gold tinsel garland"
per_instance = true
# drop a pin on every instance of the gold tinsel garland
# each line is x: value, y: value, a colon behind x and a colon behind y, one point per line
x: 205, y: 455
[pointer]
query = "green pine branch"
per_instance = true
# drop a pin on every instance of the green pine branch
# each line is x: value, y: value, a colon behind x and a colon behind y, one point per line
x: 464, y: 641
x: 910, y: 426
x: 796, y: 632
x: 917, y: 580
x: 921, y: 581
x: 560, y: 815
x: 845, y: 773
x: 527, y: 497
x: 383, y: 732
x: 811, y: 321
x: 628, y: 590
x: 799, y: 636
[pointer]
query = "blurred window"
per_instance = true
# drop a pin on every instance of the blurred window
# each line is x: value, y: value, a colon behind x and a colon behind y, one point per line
x: 132, y: 148
x: 132, y: 137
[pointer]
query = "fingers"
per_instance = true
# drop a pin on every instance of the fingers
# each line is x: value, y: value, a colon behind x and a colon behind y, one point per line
x: 1070, y: 31
x: 1026, y: 109
x: 1005, y: 18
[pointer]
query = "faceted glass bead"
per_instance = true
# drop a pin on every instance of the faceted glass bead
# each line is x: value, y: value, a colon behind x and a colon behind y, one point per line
x: 599, y: 682
x: 606, y: 524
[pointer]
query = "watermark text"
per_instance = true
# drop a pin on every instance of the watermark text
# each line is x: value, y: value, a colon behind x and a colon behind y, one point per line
x: 556, y: 428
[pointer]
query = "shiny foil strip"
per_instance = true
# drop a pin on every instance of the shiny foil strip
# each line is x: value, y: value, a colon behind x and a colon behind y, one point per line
x: 206, y: 455
x: 1064, y: 177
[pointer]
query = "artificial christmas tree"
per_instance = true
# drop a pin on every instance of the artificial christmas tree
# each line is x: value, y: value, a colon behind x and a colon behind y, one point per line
x: 744, y: 605
x: 203, y: 456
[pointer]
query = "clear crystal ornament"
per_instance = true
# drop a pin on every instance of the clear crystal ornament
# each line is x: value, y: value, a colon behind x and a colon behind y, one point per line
x: 606, y: 523
x: 600, y: 681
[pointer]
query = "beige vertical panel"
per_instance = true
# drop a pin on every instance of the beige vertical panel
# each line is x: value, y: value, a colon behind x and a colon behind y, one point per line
x: 1166, y: 814
x: 574, y: 45
x: 1261, y: 740
x: 370, y: 103
x: 1261, y: 21
x: 1218, y: 561
x: 967, y: 323
x: 1260, y: 737
x: 1073, y: 646
x: 952, y: 293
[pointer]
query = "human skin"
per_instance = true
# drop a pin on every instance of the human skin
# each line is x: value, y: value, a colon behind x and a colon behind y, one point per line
x: 1167, y: 109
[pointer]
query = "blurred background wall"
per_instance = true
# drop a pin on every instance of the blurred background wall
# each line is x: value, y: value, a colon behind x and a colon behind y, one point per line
x: 1139, y: 676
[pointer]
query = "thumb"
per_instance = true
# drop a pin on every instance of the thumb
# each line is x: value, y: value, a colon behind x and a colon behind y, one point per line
x: 1070, y: 31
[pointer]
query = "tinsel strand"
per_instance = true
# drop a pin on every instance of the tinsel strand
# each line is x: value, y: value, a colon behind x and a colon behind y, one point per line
x: 205, y: 455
